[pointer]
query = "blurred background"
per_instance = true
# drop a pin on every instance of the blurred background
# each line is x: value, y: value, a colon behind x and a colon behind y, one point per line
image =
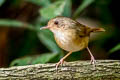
x: 22, y: 42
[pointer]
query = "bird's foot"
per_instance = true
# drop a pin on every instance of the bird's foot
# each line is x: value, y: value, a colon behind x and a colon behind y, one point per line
x: 93, y: 61
x: 60, y: 62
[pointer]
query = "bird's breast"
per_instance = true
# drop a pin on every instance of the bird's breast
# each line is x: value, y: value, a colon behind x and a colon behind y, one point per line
x: 70, y: 41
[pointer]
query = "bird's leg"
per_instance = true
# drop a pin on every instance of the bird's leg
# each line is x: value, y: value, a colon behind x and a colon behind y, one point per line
x: 62, y: 60
x: 93, y: 61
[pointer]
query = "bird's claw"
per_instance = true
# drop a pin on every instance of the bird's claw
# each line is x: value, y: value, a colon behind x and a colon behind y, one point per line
x: 93, y: 61
x: 60, y: 62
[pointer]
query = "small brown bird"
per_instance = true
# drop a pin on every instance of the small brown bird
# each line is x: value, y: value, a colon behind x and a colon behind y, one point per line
x: 71, y: 36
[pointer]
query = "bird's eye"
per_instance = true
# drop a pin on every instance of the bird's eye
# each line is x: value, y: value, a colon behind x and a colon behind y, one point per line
x: 56, y: 22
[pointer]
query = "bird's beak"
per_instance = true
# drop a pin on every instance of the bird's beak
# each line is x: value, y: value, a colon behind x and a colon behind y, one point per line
x: 45, y: 27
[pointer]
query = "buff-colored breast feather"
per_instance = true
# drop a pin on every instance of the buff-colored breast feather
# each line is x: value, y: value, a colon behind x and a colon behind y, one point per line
x: 69, y: 40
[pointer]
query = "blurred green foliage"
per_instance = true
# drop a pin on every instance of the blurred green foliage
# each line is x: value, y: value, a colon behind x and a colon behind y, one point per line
x: 46, y: 37
x: 15, y: 23
x: 1, y: 2
x: 84, y: 4
x: 43, y: 58
x: 43, y: 3
x: 116, y: 48
x: 49, y: 9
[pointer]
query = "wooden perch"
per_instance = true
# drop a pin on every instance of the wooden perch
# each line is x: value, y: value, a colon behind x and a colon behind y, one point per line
x: 78, y: 70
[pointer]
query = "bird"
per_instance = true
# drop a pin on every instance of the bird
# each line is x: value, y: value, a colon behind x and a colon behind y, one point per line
x: 71, y: 36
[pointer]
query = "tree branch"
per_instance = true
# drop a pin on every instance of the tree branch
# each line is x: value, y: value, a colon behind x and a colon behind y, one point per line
x: 104, y: 69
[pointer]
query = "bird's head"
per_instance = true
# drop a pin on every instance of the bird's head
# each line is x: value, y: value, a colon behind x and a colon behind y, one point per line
x: 60, y: 24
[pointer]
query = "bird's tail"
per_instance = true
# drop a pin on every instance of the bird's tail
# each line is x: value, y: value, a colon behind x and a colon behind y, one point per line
x: 97, y: 30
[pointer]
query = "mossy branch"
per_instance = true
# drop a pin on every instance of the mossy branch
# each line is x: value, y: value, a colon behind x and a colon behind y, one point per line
x: 78, y: 70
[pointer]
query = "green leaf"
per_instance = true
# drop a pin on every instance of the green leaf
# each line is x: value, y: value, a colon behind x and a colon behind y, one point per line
x: 21, y: 61
x: 67, y: 8
x: 85, y: 3
x: 44, y: 58
x: 36, y: 59
x: 116, y: 48
x: 15, y: 23
x: 56, y: 9
x: 1, y: 2
x: 40, y: 2
x: 46, y: 37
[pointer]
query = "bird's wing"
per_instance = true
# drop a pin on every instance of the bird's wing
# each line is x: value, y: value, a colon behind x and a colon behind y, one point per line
x: 83, y: 30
